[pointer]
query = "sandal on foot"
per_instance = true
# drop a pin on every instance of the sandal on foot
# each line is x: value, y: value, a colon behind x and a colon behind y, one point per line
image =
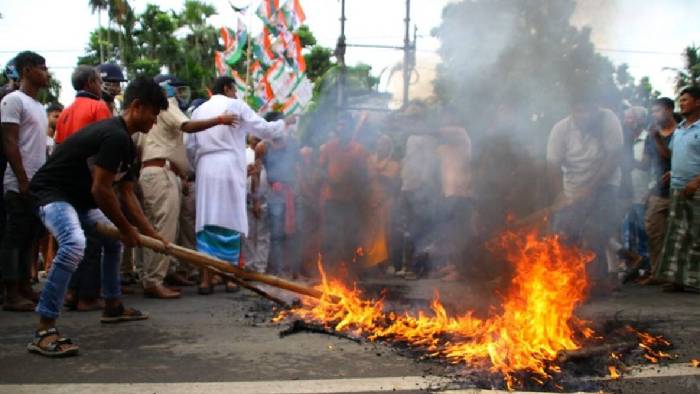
x: 121, y: 314
x: 61, y: 347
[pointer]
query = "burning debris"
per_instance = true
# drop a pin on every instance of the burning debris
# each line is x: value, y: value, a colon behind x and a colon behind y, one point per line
x: 527, y: 342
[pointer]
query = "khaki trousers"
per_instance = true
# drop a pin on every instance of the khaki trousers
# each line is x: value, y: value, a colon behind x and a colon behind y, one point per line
x: 186, y: 236
x: 655, y: 223
x: 161, y: 204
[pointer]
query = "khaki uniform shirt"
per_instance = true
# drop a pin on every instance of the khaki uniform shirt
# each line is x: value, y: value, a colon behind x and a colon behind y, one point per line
x: 165, y: 140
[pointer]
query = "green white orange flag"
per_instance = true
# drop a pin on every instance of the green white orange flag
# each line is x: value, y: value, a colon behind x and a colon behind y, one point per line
x: 241, y: 87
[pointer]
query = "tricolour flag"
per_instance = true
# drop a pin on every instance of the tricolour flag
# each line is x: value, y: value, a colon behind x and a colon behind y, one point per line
x: 259, y: 51
x: 298, y: 11
x: 299, y: 57
x: 241, y: 86
x: 221, y: 68
x: 291, y: 106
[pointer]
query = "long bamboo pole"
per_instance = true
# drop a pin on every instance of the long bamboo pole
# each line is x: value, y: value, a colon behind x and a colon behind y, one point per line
x: 205, y: 261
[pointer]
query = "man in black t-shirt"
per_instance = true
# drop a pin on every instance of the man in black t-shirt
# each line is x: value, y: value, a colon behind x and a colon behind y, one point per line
x: 75, y: 190
x: 658, y: 157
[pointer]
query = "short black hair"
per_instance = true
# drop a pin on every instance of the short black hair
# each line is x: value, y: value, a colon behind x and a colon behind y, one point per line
x: 693, y: 91
x: 273, y: 116
x: 53, y: 107
x: 221, y: 83
x: 82, y: 75
x: 147, y: 91
x: 665, y: 102
x: 28, y: 59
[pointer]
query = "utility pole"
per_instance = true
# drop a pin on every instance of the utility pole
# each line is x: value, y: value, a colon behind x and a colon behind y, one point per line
x: 407, y: 58
x: 408, y: 48
x: 340, y: 57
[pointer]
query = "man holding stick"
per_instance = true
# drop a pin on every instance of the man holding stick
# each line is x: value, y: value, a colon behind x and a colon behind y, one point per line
x: 583, y: 155
x: 75, y: 191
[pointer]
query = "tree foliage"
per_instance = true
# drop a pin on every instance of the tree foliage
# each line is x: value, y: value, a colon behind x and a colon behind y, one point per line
x: 690, y: 74
x: 182, y: 42
x: 641, y: 93
x: 52, y: 93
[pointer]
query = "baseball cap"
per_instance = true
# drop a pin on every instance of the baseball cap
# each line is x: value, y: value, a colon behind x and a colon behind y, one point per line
x: 111, y: 72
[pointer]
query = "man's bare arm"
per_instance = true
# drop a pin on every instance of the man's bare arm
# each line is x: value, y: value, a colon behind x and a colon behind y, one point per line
x: 106, y: 199
x: 10, y: 138
x: 134, y: 211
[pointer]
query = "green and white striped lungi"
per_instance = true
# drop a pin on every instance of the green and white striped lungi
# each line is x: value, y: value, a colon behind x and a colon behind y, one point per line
x: 680, y: 257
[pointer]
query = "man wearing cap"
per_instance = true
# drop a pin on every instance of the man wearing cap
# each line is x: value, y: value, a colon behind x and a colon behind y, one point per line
x: 112, y: 77
x: 165, y: 169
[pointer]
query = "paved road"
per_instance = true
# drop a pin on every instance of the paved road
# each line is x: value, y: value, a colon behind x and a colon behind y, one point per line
x: 224, y: 343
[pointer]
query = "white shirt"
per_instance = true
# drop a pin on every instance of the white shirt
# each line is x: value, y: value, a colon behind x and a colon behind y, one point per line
x: 640, y: 178
x: 419, y: 162
x: 219, y: 155
x: 30, y: 115
x: 580, y: 155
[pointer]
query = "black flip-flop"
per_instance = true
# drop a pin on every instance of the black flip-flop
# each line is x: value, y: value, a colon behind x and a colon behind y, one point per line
x: 205, y: 290
x: 121, y: 315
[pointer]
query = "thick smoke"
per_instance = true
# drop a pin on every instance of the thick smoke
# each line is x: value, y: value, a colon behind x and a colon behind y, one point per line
x: 510, y: 70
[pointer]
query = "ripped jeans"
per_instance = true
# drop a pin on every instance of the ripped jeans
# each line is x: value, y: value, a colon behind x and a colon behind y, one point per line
x: 66, y: 224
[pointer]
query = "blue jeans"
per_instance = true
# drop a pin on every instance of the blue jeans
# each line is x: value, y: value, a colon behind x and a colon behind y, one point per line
x: 285, y: 252
x: 589, y: 224
x: 634, y: 234
x: 66, y: 224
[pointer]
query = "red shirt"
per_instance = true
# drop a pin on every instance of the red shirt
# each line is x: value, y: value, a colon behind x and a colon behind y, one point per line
x: 346, y: 170
x: 85, y: 110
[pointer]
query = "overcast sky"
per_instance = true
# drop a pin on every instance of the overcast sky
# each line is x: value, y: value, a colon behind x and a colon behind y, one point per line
x: 649, y: 35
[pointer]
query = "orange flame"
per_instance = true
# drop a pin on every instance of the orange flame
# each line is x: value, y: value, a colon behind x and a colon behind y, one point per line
x: 535, y: 323
x: 648, y: 342
x: 695, y: 363
x: 613, y: 372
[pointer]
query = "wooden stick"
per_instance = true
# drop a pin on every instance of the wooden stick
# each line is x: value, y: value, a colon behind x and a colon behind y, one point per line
x: 566, y: 355
x: 250, y: 287
x: 205, y: 261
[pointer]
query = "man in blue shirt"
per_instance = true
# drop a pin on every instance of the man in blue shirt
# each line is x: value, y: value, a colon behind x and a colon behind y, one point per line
x: 679, y: 265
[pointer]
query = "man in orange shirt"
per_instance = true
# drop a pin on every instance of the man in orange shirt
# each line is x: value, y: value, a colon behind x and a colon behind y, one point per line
x: 343, y: 166
x: 88, y: 108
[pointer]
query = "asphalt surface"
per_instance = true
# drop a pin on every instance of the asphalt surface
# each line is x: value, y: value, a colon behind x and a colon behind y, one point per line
x: 228, y: 339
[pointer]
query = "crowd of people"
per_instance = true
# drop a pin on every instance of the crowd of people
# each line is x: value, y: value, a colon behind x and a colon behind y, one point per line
x: 646, y: 168
x: 213, y: 175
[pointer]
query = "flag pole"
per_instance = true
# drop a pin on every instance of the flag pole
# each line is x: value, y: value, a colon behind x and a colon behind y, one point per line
x: 248, y: 82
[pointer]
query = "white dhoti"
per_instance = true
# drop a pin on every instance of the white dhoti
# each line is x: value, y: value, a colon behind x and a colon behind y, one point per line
x: 221, y: 192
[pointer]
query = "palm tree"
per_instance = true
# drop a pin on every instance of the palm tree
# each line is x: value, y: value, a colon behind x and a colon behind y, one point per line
x: 120, y: 12
x: 99, y: 6
x: 690, y: 75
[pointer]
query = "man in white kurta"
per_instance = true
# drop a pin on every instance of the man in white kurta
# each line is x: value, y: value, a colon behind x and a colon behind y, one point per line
x: 220, y: 165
